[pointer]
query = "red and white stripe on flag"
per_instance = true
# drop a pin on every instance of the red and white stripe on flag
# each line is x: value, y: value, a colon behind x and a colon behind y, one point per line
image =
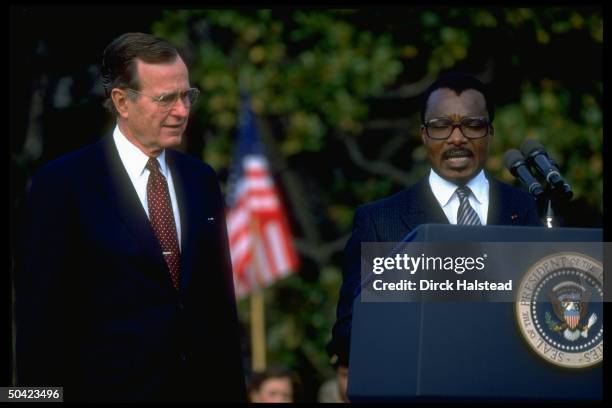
x: 261, y: 245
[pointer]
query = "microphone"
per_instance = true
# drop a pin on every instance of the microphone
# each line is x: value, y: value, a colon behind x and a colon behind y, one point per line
x: 535, y: 153
x: 515, y: 163
x: 565, y: 192
x: 537, y: 156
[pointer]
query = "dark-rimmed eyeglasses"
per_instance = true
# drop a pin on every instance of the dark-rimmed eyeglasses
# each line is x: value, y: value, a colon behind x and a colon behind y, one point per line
x: 471, y: 127
x: 167, y: 100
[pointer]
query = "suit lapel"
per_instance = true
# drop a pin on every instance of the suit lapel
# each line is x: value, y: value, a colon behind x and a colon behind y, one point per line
x: 196, y: 212
x: 117, y: 187
x: 186, y: 203
x: 421, y: 206
x: 501, y: 210
x: 495, y: 209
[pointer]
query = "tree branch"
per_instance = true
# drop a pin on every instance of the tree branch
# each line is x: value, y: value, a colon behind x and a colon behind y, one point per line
x: 416, y: 88
x: 410, y: 90
x: 383, y: 124
x: 374, y: 166
x: 392, y: 146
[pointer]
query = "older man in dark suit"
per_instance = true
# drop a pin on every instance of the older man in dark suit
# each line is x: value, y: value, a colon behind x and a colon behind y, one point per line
x: 457, y: 126
x: 126, y: 291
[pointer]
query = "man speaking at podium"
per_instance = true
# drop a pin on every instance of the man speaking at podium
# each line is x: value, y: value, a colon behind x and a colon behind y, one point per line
x: 457, y: 127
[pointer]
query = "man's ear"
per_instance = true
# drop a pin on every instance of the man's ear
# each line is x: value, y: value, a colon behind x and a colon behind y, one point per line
x: 423, y: 135
x: 120, y: 100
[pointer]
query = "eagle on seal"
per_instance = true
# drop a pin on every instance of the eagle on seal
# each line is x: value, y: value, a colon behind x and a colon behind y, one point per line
x: 570, y: 302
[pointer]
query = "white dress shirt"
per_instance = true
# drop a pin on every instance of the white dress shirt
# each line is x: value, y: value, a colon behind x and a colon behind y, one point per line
x: 444, y: 191
x: 135, y: 162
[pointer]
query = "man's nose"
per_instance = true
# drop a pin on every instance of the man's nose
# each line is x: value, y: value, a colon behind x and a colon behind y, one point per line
x: 180, y: 108
x: 456, y: 137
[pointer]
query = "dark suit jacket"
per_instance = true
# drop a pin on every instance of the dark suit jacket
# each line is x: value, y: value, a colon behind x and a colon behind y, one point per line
x: 392, y: 218
x: 96, y: 309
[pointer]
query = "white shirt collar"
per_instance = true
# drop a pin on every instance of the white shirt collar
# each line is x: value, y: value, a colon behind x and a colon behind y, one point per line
x: 479, y: 186
x: 134, y: 160
x: 443, y: 189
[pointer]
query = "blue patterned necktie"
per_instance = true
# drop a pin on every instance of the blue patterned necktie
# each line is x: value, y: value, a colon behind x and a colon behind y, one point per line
x: 466, y: 215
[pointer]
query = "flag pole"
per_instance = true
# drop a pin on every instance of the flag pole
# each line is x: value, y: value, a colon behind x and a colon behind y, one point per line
x: 258, y: 317
x: 258, y: 330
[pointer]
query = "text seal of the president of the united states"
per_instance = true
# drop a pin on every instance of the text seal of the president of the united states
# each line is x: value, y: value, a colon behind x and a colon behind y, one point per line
x: 559, y: 309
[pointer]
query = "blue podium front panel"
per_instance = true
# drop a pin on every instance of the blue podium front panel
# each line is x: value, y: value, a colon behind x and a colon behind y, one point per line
x: 469, y: 350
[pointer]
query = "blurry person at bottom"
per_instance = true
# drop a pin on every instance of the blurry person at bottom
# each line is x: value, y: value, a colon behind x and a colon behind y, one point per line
x: 334, y: 389
x: 275, y: 384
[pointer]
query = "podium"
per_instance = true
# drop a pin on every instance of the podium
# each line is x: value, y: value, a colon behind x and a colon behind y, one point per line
x: 454, y: 351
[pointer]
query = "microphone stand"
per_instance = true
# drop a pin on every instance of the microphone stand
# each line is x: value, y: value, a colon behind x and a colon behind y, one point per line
x: 549, y: 213
x: 561, y: 197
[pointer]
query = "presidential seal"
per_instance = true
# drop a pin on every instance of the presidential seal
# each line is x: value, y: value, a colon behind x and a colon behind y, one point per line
x: 559, y: 309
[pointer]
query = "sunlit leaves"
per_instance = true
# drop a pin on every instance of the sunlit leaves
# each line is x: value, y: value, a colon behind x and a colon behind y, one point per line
x: 315, y: 77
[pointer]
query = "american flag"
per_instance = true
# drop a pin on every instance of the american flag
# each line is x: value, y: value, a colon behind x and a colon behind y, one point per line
x: 261, y: 244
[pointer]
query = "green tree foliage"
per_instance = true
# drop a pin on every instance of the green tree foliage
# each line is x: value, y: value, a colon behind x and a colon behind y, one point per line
x: 337, y: 94
x: 315, y: 76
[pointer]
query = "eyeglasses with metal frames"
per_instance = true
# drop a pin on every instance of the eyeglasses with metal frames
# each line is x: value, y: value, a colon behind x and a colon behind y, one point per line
x: 167, y: 100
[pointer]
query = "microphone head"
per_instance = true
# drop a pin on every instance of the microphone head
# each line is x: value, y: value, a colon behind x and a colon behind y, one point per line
x: 530, y: 146
x: 511, y: 157
x: 564, y: 193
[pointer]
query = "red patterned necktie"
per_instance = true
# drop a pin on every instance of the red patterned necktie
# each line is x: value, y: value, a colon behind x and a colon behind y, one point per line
x: 162, y: 219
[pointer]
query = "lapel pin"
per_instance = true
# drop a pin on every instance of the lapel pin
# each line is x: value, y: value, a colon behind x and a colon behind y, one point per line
x: 211, y: 218
x: 514, y: 217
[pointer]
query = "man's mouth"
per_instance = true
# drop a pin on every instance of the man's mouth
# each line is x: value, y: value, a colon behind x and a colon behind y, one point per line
x: 458, y: 158
x: 175, y: 129
x: 457, y: 153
